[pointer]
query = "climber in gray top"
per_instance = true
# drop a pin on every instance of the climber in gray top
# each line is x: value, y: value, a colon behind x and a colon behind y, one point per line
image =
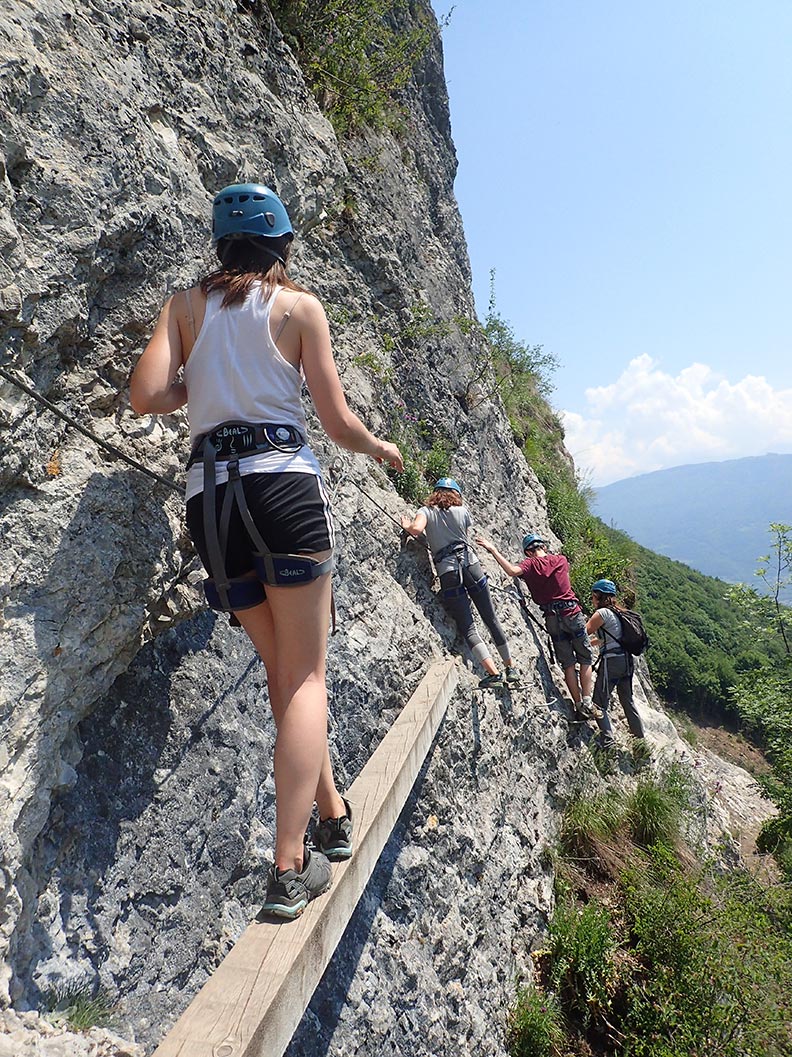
x: 445, y: 519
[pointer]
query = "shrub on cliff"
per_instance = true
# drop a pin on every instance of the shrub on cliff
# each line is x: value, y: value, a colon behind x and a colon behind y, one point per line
x: 650, y: 954
x: 355, y: 54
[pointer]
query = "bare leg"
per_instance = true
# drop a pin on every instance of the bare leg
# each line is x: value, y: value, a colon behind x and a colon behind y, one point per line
x: 585, y: 679
x: 290, y: 632
x: 571, y: 679
x: 327, y: 797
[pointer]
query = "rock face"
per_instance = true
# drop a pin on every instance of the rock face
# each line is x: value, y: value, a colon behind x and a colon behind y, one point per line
x: 136, y: 791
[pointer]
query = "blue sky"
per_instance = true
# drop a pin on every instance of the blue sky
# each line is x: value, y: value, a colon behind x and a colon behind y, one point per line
x: 626, y: 169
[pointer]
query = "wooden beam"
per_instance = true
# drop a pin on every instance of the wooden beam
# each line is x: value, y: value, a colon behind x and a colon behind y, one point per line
x: 253, y: 1002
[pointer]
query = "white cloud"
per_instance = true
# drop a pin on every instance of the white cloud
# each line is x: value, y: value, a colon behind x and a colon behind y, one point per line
x: 649, y: 420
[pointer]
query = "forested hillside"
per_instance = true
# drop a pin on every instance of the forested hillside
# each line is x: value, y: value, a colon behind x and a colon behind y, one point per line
x: 700, y: 640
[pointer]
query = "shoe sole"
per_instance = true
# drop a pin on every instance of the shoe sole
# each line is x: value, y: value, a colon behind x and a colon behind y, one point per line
x: 336, y: 853
x: 280, y: 910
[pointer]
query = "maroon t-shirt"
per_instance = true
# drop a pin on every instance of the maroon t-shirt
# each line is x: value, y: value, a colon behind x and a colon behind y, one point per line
x: 547, y: 578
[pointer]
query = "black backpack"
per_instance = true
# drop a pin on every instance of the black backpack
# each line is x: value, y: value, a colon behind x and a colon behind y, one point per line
x: 634, y: 638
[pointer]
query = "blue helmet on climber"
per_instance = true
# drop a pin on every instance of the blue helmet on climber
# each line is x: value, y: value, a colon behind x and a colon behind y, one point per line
x: 530, y: 541
x: 604, y: 587
x: 247, y: 210
x: 450, y: 483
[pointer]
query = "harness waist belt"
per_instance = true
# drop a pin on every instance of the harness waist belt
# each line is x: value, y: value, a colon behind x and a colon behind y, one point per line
x: 458, y: 549
x: 560, y: 606
x: 235, y: 440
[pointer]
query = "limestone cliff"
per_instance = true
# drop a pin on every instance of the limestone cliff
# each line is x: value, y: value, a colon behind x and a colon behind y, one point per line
x: 137, y: 800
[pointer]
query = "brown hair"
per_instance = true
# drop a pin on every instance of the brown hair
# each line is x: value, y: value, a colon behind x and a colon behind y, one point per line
x: 244, y: 262
x: 606, y: 601
x: 444, y: 498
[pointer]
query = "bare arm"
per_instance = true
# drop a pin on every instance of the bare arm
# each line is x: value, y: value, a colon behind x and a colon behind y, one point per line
x: 507, y: 566
x: 593, y: 624
x: 416, y: 525
x: 340, y: 423
x: 153, y: 389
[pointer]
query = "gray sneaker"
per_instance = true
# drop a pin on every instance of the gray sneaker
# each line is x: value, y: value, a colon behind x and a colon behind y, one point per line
x: 585, y: 709
x: 333, y: 836
x: 494, y: 681
x: 289, y: 892
x: 512, y: 676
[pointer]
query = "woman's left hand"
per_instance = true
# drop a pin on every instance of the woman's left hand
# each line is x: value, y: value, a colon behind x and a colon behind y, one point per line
x: 391, y: 455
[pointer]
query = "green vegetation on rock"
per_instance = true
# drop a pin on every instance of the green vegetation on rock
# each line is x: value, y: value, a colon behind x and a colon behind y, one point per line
x: 356, y: 54
x: 650, y: 953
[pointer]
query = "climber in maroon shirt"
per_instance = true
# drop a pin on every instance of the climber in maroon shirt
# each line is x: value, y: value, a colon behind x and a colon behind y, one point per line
x: 547, y: 577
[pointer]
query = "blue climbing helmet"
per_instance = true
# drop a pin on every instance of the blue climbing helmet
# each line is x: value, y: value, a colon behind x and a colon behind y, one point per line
x: 243, y: 210
x: 604, y: 587
x: 532, y: 541
x: 449, y: 483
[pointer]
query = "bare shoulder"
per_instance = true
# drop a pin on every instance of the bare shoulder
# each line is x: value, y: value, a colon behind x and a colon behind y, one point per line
x: 304, y: 305
x: 180, y: 302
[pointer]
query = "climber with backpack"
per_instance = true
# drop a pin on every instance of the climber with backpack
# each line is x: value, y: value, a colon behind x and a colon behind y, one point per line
x: 620, y: 635
x: 257, y: 510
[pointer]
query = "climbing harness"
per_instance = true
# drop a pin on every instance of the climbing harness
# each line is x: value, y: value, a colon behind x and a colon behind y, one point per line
x: 229, y: 442
x: 566, y: 607
x: 460, y: 552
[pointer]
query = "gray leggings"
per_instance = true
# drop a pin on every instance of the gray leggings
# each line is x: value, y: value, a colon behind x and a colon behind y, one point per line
x: 457, y: 598
x: 616, y: 672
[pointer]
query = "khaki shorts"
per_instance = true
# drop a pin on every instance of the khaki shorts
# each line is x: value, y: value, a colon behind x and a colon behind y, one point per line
x: 570, y: 640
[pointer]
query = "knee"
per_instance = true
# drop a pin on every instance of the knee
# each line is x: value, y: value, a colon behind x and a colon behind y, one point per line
x: 286, y: 680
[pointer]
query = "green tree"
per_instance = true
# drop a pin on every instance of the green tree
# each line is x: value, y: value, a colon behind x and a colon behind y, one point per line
x: 763, y: 693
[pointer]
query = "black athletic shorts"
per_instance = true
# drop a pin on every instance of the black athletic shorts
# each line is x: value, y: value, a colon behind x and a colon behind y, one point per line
x: 290, y: 510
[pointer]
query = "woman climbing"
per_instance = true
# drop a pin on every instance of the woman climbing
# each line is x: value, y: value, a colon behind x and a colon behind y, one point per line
x: 445, y: 519
x: 257, y: 509
x: 615, y: 666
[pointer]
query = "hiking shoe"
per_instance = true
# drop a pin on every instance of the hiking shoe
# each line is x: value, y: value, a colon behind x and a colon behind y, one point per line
x: 512, y: 675
x: 584, y: 709
x: 491, y: 680
x: 608, y: 743
x: 333, y: 836
x: 289, y: 892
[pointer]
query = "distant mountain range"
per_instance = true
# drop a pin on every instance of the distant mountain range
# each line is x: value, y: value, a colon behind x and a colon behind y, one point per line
x: 712, y: 516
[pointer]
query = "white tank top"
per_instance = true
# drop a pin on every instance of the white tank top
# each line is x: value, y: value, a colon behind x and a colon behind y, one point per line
x: 236, y: 373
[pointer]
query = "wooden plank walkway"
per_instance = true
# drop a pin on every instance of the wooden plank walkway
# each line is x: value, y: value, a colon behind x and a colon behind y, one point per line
x: 253, y: 1002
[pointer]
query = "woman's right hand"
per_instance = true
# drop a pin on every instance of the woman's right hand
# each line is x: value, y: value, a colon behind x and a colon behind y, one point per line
x: 390, y: 454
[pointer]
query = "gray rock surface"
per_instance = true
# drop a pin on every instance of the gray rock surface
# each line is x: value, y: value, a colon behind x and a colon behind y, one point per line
x: 136, y: 795
x: 30, y: 1035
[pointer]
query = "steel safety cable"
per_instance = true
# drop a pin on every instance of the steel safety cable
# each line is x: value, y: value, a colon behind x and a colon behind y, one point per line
x: 105, y: 445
